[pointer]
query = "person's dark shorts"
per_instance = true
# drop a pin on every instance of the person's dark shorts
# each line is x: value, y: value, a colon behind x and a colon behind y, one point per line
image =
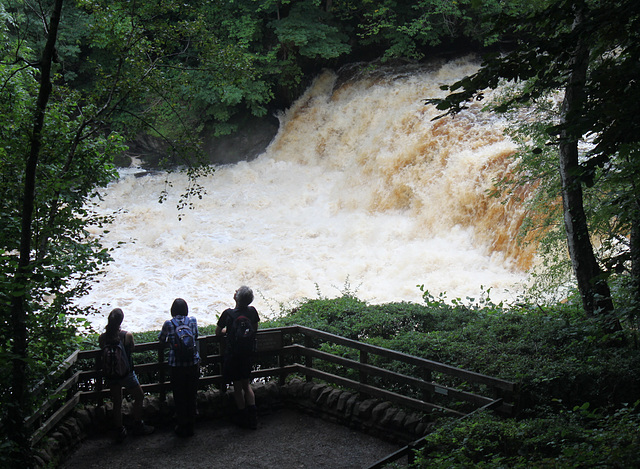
x: 235, y: 368
x: 128, y: 382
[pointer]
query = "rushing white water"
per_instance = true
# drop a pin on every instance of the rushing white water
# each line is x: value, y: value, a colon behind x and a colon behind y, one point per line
x: 359, y: 191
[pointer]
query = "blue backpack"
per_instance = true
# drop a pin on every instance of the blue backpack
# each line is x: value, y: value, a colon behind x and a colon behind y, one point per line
x: 183, y: 342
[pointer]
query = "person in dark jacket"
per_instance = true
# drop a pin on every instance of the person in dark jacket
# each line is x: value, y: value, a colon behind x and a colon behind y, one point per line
x: 237, y: 364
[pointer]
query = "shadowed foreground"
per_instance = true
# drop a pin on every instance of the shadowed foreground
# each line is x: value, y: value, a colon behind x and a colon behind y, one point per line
x: 285, y: 438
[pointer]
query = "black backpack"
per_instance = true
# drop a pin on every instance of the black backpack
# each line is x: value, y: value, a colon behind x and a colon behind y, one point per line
x: 241, y: 335
x: 183, y: 342
x: 115, y: 360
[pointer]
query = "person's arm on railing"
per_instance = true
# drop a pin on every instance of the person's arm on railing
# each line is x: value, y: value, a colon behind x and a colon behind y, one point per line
x: 129, y: 345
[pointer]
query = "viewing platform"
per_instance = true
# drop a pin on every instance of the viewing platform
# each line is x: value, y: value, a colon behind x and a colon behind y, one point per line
x: 303, y: 379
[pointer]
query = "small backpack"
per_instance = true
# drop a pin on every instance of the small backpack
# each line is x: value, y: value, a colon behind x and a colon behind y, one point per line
x: 242, y: 336
x: 184, y: 342
x: 115, y: 360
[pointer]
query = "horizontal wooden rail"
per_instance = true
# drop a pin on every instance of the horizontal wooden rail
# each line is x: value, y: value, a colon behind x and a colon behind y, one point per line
x: 412, y: 360
x: 54, y: 419
x: 393, y: 376
x: 49, y: 404
x: 377, y: 392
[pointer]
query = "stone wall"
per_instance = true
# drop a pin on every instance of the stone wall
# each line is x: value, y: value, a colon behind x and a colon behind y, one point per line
x: 372, y: 416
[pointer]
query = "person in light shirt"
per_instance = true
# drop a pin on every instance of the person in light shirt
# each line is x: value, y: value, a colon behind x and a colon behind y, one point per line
x: 185, y: 372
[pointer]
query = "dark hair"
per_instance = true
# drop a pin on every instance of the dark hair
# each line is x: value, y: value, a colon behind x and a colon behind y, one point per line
x: 116, y: 316
x: 179, y: 308
x: 244, y: 296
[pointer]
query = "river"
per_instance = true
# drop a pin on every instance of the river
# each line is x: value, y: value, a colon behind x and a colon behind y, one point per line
x: 360, y: 192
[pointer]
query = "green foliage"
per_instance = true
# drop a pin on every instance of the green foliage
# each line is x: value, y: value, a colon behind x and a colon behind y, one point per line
x: 553, y: 353
x: 64, y: 258
x: 411, y: 29
x: 308, y: 31
x: 573, y: 439
x: 206, y: 62
x: 560, y: 361
x: 143, y: 58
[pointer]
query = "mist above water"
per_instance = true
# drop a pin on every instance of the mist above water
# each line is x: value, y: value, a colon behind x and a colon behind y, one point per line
x: 360, y: 192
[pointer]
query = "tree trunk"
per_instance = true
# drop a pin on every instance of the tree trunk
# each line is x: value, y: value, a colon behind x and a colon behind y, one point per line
x: 594, y: 290
x: 19, y: 379
x: 634, y: 248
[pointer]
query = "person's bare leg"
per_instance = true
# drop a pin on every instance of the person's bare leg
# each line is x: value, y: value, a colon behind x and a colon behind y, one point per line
x: 138, y: 398
x: 139, y: 427
x: 249, y: 397
x: 116, y: 398
x: 238, y: 394
x: 250, y: 402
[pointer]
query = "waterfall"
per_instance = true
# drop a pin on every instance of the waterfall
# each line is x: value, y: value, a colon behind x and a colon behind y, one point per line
x: 360, y: 192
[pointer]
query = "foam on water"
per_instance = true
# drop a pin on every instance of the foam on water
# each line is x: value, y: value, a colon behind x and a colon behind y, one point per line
x: 359, y: 191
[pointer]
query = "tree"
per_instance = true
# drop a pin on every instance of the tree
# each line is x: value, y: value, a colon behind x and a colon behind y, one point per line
x: 58, y: 146
x: 596, y: 295
x: 22, y: 273
x: 588, y: 49
x: 284, y: 43
x: 413, y: 29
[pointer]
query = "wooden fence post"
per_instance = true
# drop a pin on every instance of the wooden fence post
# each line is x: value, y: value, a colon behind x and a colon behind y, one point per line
x: 161, y: 373
x: 99, y: 379
x: 364, y: 359
x: 427, y: 394
x: 222, y: 386
x: 308, y: 360
x: 281, y: 376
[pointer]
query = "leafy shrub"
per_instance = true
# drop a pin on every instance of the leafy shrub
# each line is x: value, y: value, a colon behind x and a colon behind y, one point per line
x: 558, y: 358
x: 574, y: 439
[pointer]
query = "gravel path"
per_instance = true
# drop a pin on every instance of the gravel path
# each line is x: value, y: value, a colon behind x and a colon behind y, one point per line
x: 284, y: 439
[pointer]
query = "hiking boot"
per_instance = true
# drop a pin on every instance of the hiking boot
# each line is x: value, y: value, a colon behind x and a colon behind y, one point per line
x: 252, y: 417
x: 139, y: 428
x: 182, y: 431
x: 242, y: 418
x: 121, y: 434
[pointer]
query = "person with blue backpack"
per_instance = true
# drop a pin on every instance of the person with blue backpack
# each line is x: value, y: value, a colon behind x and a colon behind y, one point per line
x: 181, y: 334
x: 117, y: 369
x: 239, y: 326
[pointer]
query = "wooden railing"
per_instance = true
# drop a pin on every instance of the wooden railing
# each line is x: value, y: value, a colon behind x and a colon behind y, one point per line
x: 405, y: 380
